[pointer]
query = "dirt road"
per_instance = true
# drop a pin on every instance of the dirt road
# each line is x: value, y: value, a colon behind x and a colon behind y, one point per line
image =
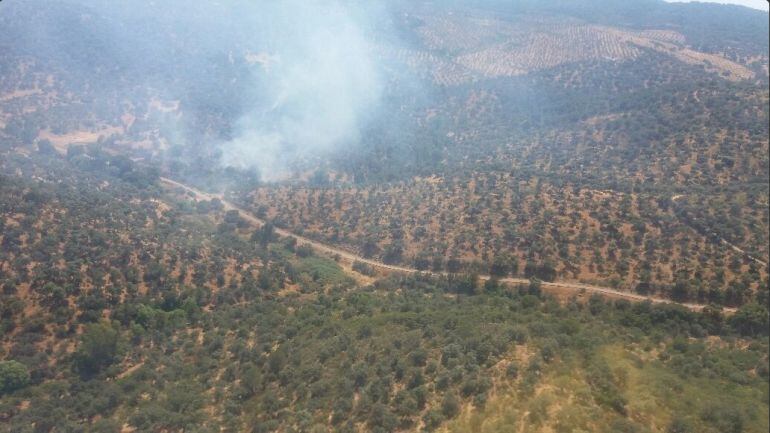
x: 352, y: 257
x: 724, y: 241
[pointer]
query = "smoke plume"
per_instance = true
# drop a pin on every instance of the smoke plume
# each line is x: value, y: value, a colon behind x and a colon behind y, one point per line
x: 318, y: 79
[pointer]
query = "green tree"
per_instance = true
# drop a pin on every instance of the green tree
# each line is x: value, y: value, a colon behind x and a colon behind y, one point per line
x: 433, y: 419
x: 13, y: 375
x: 751, y: 319
x: 251, y: 379
x: 265, y: 234
x: 450, y: 406
x: 501, y: 266
x: 99, y: 347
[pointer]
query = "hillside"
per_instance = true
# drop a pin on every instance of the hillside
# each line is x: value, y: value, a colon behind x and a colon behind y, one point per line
x: 403, y: 216
x: 140, y: 309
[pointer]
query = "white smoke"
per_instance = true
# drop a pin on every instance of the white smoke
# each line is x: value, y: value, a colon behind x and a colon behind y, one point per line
x: 312, y: 76
x: 320, y: 81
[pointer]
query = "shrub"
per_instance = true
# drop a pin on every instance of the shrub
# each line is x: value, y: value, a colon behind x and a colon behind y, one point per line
x: 450, y: 406
x: 13, y: 375
x: 98, y: 349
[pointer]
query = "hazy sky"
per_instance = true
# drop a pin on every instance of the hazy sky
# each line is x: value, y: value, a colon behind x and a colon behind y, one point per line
x: 755, y: 4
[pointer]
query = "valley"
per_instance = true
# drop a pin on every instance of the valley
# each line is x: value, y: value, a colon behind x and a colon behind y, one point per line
x: 340, y: 254
x: 328, y: 216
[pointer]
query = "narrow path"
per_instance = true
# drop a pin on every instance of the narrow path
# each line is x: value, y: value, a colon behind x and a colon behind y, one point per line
x: 739, y: 250
x: 717, y: 236
x: 352, y: 257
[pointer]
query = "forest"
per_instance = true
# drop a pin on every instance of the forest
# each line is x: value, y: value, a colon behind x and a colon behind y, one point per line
x: 200, y: 321
x: 465, y: 216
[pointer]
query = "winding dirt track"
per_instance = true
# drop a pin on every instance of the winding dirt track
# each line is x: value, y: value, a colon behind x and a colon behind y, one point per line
x: 724, y: 241
x: 352, y: 257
